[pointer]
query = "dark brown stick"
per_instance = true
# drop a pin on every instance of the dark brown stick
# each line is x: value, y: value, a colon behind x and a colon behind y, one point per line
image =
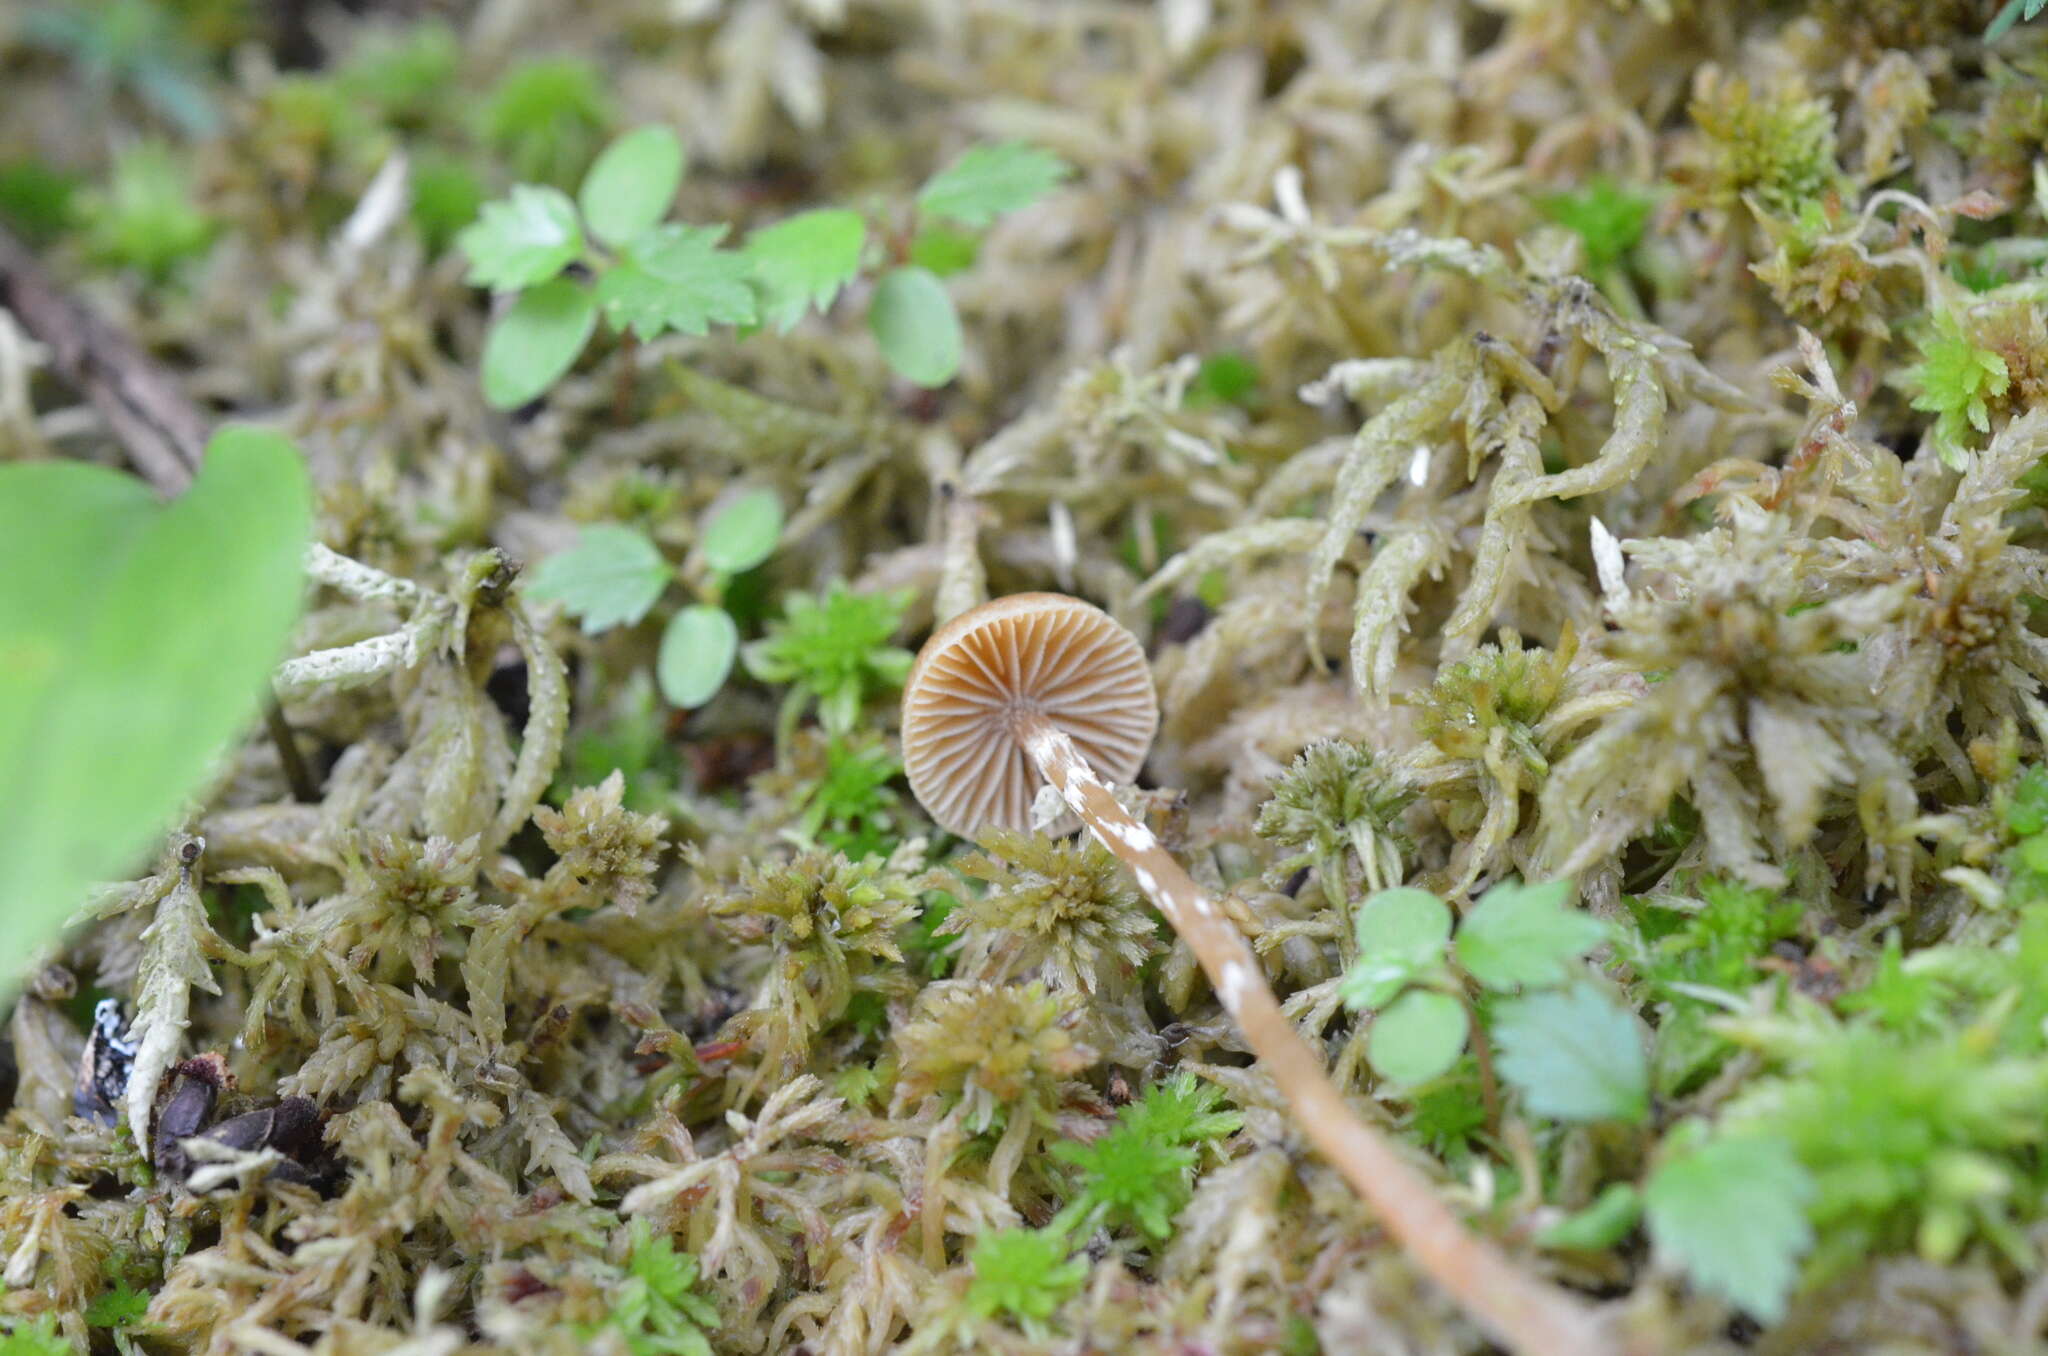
x: 163, y: 433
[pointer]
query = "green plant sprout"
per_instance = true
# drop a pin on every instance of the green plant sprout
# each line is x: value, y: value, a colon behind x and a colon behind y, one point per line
x: 852, y: 806
x: 37, y: 200
x: 651, y: 277
x: 1608, y: 218
x: 614, y: 575
x: 1564, y: 1045
x: 656, y: 1307
x: 1954, y: 381
x: 1023, y: 1275
x: 111, y: 715
x: 39, y: 1338
x: 1140, y: 1173
x: 832, y: 648
x: 145, y: 218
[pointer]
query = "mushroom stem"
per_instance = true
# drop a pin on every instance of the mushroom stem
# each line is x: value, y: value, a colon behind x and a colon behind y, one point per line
x: 1519, y: 1311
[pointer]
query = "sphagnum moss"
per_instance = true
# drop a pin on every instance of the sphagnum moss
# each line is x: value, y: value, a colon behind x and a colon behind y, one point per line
x: 1712, y: 578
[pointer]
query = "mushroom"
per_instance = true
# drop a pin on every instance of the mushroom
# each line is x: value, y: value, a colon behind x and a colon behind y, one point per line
x: 1046, y: 684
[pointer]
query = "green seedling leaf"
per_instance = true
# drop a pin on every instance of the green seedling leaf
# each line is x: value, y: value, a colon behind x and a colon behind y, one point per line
x: 743, y: 533
x: 1600, y: 1225
x: 804, y: 261
x: 1732, y: 1215
x: 1525, y: 935
x: 611, y: 577
x: 1419, y: 1036
x: 521, y: 240
x: 676, y: 278
x: 2014, y: 11
x: 944, y: 250
x: 988, y: 181
x: 1574, y: 1055
x: 1223, y: 379
x: 914, y: 322
x: 697, y: 651
x: 135, y: 643
x: 1401, y: 936
x: 533, y: 344
x: 629, y: 188
x: 119, y: 1307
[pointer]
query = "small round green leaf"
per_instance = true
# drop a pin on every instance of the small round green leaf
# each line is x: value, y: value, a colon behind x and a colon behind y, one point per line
x: 1418, y: 1037
x: 915, y: 323
x: 743, y: 532
x: 697, y: 652
x: 1405, y: 920
x: 536, y: 341
x: 631, y: 185
x: 1401, y: 936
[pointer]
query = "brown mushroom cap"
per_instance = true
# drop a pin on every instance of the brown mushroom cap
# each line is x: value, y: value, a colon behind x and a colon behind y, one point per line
x: 986, y: 677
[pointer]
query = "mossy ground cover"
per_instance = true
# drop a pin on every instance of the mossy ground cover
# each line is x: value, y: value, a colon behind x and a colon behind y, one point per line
x: 1576, y: 469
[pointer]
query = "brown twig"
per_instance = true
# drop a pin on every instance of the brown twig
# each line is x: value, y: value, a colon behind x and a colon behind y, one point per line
x: 163, y: 433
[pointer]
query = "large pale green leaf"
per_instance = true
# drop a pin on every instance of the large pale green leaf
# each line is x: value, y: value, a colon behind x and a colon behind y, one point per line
x: 135, y: 641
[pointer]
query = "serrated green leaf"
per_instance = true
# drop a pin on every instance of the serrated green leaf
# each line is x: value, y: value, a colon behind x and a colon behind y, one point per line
x: 1731, y: 1214
x: 915, y: 324
x: 676, y: 278
x: 1417, y: 1037
x: 987, y: 181
x: 135, y: 642
x: 743, y: 532
x: 803, y: 262
x: 117, y: 1308
x: 536, y: 341
x: 1525, y: 935
x: 1574, y: 1055
x: 630, y: 186
x: 1401, y: 935
x: 610, y: 577
x: 1600, y: 1225
x: 696, y: 656
x: 523, y: 239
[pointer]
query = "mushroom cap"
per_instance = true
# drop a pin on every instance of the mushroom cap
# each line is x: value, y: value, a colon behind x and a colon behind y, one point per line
x: 982, y: 678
